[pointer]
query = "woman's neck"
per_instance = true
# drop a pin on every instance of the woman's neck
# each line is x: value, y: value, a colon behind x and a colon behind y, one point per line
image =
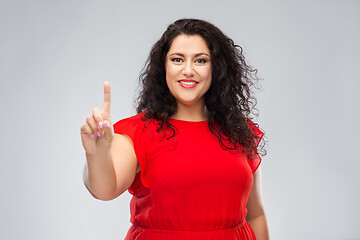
x: 196, y: 112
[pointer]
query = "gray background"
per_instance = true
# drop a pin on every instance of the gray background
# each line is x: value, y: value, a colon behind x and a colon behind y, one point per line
x: 55, y: 56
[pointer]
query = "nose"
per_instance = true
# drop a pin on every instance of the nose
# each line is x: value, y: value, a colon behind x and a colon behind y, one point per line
x: 188, y: 70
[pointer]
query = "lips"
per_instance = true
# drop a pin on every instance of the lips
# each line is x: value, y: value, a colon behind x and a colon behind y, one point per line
x: 188, y: 83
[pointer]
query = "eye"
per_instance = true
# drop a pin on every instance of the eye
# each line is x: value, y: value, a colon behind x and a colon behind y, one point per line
x: 176, y: 59
x: 202, y: 60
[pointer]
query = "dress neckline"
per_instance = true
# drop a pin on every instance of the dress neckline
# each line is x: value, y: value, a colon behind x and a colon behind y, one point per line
x: 187, y: 121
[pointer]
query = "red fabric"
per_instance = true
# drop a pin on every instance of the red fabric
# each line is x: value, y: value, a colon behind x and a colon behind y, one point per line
x: 189, y: 187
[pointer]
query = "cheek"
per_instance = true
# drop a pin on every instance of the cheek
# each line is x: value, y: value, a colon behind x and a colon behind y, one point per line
x: 171, y: 72
x: 206, y: 73
x: 208, y: 77
x: 170, y: 76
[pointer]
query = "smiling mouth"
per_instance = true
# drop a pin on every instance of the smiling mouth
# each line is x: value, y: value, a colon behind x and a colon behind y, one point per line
x: 188, y: 83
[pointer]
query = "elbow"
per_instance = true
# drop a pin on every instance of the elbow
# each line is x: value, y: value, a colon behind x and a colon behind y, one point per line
x: 103, y: 198
x: 255, y: 217
x: 255, y: 213
x: 100, y: 196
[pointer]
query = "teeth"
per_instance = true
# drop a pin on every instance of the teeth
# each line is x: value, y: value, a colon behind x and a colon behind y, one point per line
x: 188, y: 83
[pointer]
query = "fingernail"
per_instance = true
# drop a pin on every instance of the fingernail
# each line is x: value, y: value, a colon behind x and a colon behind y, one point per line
x: 106, y: 124
x: 92, y: 136
x: 98, y: 133
x: 100, y: 125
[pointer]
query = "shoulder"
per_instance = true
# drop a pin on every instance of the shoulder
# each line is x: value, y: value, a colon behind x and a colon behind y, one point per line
x: 133, y: 118
x: 131, y: 124
x: 136, y: 119
x: 136, y: 123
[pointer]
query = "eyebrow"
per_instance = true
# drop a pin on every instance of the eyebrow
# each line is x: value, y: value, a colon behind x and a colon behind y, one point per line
x: 196, y: 55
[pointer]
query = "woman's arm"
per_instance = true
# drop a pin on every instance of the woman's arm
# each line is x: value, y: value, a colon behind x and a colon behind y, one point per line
x: 109, y: 174
x: 111, y: 161
x: 256, y: 213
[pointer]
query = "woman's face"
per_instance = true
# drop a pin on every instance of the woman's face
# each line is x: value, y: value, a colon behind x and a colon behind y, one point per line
x: 188, y: 69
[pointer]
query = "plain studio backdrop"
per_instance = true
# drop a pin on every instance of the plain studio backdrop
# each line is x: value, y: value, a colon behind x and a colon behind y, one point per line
x: 55, y: 56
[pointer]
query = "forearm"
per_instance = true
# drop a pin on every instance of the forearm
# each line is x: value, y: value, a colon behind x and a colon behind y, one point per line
x: 100, y: 176
x: 260, y: 228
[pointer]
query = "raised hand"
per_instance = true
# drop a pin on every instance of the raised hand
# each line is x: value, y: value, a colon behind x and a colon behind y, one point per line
x: 97, y: 132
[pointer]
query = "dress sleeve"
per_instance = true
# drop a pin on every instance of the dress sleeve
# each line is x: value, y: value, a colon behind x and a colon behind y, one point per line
x: 127, y: 126
x: 133, y: 127
x: 254, y: 159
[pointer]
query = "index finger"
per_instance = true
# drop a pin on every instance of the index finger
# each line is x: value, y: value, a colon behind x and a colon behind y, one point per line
x: 107, y: 100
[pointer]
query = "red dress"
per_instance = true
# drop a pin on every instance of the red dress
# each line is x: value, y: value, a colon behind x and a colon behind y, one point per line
x: 189, y: 187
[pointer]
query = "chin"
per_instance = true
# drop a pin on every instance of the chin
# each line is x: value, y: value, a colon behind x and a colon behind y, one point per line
x: 189, y: 102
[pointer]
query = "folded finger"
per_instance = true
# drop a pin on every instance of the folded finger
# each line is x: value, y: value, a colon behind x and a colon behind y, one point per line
x: 98, y: 117
x: 86, y: 130
x: 92, y: 123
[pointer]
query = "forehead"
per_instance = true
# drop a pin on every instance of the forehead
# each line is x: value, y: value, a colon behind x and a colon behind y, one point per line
x: 188, y: 44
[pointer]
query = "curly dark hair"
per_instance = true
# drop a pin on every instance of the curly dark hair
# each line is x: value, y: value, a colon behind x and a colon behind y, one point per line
x: 229, y: 100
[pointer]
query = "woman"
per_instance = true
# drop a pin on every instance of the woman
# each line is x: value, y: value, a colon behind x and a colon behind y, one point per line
x: 189, y: 156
